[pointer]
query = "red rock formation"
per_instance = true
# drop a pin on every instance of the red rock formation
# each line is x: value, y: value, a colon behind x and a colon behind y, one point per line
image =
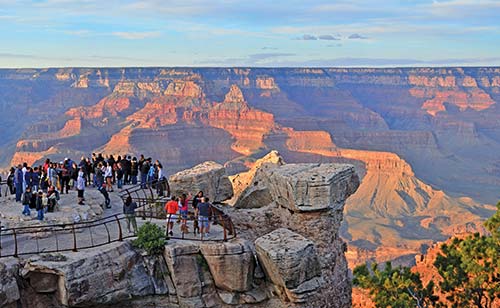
x: 184, y: 89
x: 248, y: 126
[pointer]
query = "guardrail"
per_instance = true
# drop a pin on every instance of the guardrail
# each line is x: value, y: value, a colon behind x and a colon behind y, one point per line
x: 32, y: 240
x: 143, y: 194
x: 156, y: 210
x: 61, y: 237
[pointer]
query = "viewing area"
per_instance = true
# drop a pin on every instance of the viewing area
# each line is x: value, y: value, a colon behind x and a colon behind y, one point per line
x: 54, y: 238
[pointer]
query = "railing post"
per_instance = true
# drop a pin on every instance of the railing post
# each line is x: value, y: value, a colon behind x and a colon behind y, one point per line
x: 120, y: 234
x: 223, y: 227
x: 75, y: 249
x: 15, y: 243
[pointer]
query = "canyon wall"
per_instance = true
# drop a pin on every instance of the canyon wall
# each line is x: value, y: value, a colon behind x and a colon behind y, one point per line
x: 424, y: 140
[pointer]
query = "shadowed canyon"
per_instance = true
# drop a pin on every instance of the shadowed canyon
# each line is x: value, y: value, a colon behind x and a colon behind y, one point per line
x: 424, y: 141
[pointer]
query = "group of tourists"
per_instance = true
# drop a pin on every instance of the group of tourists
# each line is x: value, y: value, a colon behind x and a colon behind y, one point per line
x: 39, y: 188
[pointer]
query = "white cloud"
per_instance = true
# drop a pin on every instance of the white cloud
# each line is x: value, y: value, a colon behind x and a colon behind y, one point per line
x: 136, y: 35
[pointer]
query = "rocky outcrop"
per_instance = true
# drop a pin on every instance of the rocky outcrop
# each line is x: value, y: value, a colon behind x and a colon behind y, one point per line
x: 209, y: 177
x: 291, y: 263
x: 231, y: 264
x: 249, y: 189
x: 9, y: 291
x: 307, y: 199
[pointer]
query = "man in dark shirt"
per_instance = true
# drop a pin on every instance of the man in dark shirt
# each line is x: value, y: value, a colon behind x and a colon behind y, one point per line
x: 203, y: 214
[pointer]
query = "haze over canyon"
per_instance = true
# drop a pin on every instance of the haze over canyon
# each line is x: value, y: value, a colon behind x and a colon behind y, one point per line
x: 425, y: 141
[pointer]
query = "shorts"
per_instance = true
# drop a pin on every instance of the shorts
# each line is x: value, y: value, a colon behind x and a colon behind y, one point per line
x: 184, y: 214
x: 203, y: 221
x: 172, y: 217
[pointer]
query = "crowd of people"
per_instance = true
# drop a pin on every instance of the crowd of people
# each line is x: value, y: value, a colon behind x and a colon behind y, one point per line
x: 40, y: 187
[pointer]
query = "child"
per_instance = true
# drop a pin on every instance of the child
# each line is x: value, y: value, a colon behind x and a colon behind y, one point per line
x: 80, y: 186
x: 26, y: 201
x: 39, y: 205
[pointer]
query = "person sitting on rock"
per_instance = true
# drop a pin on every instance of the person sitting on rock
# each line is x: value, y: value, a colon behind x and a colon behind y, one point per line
x: 171, y: 207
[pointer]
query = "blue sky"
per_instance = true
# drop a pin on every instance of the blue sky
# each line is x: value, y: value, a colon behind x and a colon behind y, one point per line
x: 61, y: 33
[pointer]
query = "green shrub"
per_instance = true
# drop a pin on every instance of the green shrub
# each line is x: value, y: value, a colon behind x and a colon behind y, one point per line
x: 151, y: 238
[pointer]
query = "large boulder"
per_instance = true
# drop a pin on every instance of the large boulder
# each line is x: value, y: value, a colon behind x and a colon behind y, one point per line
x: 190, y: 275
x: 107, y: 275
x: 250, y: 187
x: 209, y: 177
x: 9, y: 291
x: 291, y: 263
x: 232, y: 264
x: 312, y: 187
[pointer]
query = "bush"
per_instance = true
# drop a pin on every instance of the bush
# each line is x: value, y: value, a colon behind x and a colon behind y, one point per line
x: 151, y: 238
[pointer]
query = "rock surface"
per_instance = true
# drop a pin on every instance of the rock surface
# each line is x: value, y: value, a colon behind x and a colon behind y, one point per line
x: 291, y: 263
x: 9, y: 291
x: 231, y: 264
x: 209, y: 177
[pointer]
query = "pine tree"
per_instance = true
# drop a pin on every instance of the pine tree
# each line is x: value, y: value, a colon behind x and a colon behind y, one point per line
x: 394, y: 287
x: 470, y: 267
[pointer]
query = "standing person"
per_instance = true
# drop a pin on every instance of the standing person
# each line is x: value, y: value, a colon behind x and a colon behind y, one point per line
x: 99, y: 183
x: 28, y: 179
x: 183, y: 210
x: 18, y: 182
x: 10, y: 180
x: 129, y: 211
x: 134, y: 171
x: 171, y: 207
x: 203, y: 214
x: 108, y: 175
x: 26, y: 201
x: 35, y: 178
x: 144, y: 173
x: 119, y: 175
x: 161, y: 180
x: 80, y: 186
x: 44, y: 181
x: 197, y: 199
x: 151, y: 173
x: 39, y: 205
x: 52, y: 174
x: 65, y: 177
x: 111, y: 163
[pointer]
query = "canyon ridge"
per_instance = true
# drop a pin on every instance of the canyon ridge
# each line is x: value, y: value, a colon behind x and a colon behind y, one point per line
x: 424, y: 141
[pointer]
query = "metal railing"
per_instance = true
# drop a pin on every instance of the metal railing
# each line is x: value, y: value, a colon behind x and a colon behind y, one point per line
x: 156, y: 210
x: 143, y: 194
x: 61, y: 237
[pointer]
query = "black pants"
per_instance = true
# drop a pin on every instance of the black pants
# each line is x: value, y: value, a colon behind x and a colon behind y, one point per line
x: 65, y: 182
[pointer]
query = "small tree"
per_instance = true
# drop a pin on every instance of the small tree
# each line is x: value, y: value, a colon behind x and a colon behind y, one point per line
x: 150, y: 238
x: 394, y: 287
x: 470, y: 267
